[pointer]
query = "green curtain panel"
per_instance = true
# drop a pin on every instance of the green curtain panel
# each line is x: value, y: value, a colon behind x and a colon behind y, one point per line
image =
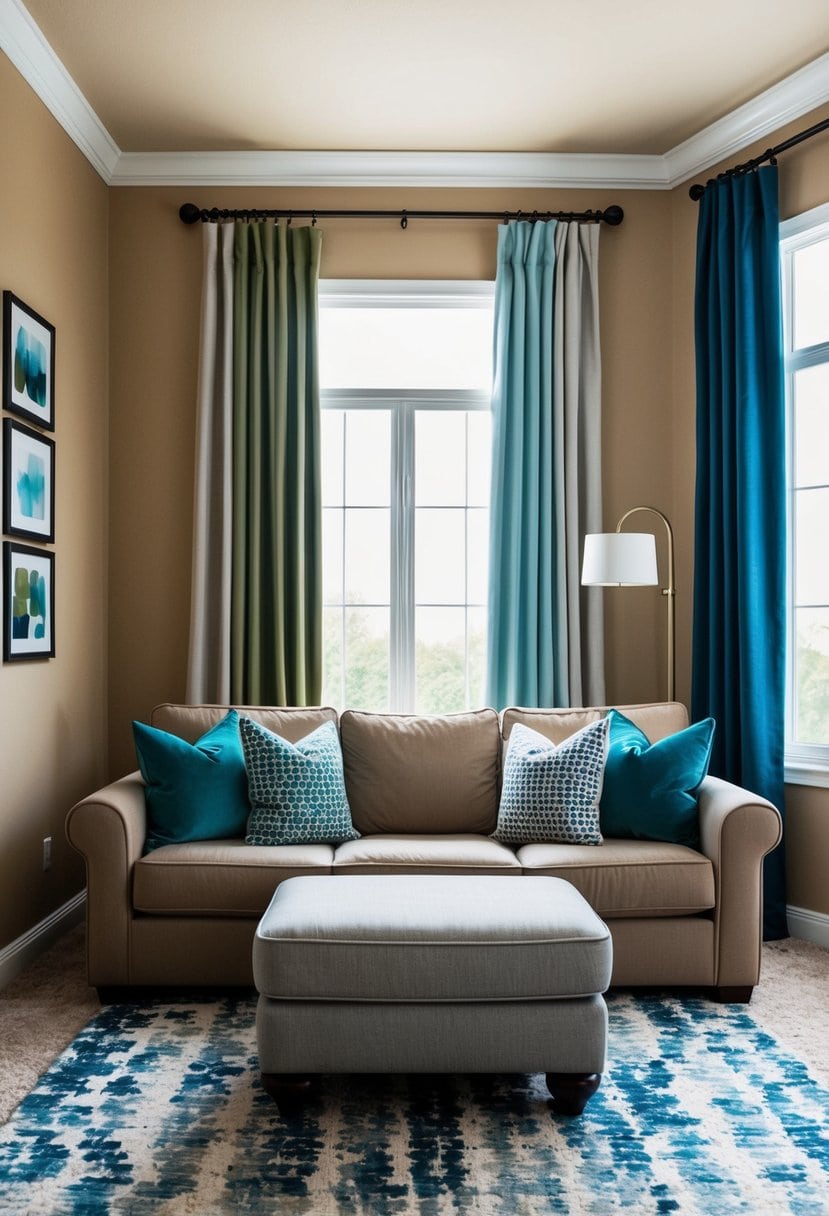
x: 739, y: 633
x: 276, y: 594
x: 543, y: 649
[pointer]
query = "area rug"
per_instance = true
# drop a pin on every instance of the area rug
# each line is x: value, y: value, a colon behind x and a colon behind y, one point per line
x: 158, y: 1109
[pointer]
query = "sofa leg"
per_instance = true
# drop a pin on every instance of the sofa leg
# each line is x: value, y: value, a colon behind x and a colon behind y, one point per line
x: 288, y: 1090
x: 734, y: 996
x: 571, y: 1090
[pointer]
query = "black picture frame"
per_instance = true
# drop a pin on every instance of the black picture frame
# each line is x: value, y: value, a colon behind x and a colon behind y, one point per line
x: 28, y: 363
x: 28, y: 482
x: 28, y: 634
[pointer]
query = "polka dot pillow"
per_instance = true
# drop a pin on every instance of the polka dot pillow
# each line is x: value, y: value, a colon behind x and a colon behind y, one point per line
x: 551, y: 794
x: 296, y: 790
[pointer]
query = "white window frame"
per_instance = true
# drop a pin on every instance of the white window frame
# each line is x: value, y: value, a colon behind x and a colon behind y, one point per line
x: 403, y: 404
x: 805, y: 764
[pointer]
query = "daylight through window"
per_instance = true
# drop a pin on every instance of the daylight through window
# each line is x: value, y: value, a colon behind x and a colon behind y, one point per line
x: 805, y: 271
x: 405, y: 374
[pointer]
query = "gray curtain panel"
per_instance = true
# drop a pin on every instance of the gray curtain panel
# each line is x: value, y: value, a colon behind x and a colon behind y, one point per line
x: 577, y: 413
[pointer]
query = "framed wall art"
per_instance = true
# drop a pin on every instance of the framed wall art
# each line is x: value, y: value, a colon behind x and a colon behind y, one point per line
x: 28, y: 363
x: 28, y: 602
x: 28, y: 482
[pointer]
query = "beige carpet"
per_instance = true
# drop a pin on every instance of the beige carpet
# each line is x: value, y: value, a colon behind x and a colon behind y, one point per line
x: 45, y: 1007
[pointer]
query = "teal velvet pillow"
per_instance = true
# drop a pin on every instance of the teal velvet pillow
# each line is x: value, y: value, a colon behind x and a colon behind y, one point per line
x: 551, y: 794
x: 650, y: 789
x: 194, y: 791
x: 297, y: 790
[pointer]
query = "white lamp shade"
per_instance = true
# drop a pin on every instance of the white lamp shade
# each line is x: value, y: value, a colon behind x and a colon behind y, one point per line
x: 619, y: 559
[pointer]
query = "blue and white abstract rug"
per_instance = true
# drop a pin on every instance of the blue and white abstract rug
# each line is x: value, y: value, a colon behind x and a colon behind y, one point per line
x: 158, y: 1109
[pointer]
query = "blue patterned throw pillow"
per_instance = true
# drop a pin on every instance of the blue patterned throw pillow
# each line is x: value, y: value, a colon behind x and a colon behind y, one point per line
x: 551, y: 794
x: 296, y: 790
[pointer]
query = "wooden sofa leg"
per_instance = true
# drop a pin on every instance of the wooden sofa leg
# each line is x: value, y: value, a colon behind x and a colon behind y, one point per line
x: 287, y: 1089
x: 734, y: 996
x: 571, y: 1090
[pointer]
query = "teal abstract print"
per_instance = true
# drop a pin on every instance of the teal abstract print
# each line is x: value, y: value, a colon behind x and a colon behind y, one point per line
x: 28, y: 362
x: 29, y: 602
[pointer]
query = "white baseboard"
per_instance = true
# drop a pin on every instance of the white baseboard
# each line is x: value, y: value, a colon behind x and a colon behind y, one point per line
x: 25, y: 949
x: 811, y: 926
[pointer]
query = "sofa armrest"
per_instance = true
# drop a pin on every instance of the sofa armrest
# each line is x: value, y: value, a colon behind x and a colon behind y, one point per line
x: 737, y: 830
x: 109, y: 828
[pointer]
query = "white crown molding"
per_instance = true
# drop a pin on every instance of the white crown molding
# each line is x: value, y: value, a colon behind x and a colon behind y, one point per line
x: 799, y: 93
x: 31, y: 54
x: 543, y: 170
x: 38, y: 64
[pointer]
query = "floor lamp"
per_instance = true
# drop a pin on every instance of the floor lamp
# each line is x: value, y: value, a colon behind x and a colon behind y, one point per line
x: 628, y: 559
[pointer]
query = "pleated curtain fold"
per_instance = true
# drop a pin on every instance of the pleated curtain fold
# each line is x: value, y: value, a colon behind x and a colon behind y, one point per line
x: 256, y: 617
x: 739, y: 631
x: 545, y: 637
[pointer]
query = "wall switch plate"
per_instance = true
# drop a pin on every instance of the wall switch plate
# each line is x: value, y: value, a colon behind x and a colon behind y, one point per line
x: 47, y: 852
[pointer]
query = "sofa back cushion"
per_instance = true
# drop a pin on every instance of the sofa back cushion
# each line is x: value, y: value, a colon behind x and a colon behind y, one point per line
x: 657, y: 720
x: 191, y: 721
x: 423, y: 775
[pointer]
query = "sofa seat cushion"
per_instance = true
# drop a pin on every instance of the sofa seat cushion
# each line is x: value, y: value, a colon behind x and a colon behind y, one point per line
x: 420, y: 854
x: 405, y: 773
x: 427, y: 938
x: 629, y: 877
x: 220, y: 877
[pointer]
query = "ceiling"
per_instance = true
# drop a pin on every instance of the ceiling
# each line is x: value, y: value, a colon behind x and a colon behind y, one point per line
x: 535, y: 76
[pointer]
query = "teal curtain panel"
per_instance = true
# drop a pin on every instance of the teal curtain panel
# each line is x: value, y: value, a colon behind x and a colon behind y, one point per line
x: 739, y: 630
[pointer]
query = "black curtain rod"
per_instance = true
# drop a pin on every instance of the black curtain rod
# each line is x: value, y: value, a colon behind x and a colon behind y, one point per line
x: 189, y: 213
x: 698, y: 189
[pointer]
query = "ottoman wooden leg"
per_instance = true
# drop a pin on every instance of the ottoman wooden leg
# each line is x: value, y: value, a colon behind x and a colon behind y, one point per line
x: 288, y: 1089
x: 571, y: 1090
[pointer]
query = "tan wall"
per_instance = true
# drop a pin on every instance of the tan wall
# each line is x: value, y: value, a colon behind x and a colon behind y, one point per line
x: 53, y: 255
x: 804, y: 184
x: 156, y: 277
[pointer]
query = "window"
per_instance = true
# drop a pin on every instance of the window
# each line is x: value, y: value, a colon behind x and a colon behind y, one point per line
x: 405, y: 378
x: 805, y: 271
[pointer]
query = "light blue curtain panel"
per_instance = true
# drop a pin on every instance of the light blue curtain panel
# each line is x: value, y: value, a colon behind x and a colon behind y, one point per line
x: 739, y: 632
x: 523, y: 624
x: 546, y: 636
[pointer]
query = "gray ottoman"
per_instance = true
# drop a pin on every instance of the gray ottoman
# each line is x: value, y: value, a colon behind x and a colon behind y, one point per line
x: 431, y: 973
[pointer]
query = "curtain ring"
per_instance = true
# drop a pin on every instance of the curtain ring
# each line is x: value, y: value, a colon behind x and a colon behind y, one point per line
x: 404, y: 220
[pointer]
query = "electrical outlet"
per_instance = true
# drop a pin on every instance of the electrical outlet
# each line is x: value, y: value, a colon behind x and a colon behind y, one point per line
x: 47, y: 852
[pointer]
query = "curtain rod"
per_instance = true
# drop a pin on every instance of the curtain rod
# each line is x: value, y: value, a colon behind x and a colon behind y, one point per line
x: 189, y: 213
x: 698, y: 189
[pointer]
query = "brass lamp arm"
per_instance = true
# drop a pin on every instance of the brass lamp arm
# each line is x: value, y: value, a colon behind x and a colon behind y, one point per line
x: 669, y: 591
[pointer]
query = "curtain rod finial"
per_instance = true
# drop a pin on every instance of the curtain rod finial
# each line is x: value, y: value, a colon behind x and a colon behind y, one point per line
x: 189, y: 213
x: 613, y: 215
x: 696, y: 191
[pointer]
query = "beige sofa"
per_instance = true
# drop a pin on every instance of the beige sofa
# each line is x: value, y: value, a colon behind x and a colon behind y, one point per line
x: 424, y: 795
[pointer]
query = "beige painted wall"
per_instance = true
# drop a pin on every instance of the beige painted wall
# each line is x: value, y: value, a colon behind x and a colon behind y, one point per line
x: 804, y: 184
x: 156, y: 276
x: 53, y: 255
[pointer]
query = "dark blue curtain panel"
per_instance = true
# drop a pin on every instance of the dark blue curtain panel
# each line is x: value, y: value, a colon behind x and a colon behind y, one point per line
x: 739, y: 632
